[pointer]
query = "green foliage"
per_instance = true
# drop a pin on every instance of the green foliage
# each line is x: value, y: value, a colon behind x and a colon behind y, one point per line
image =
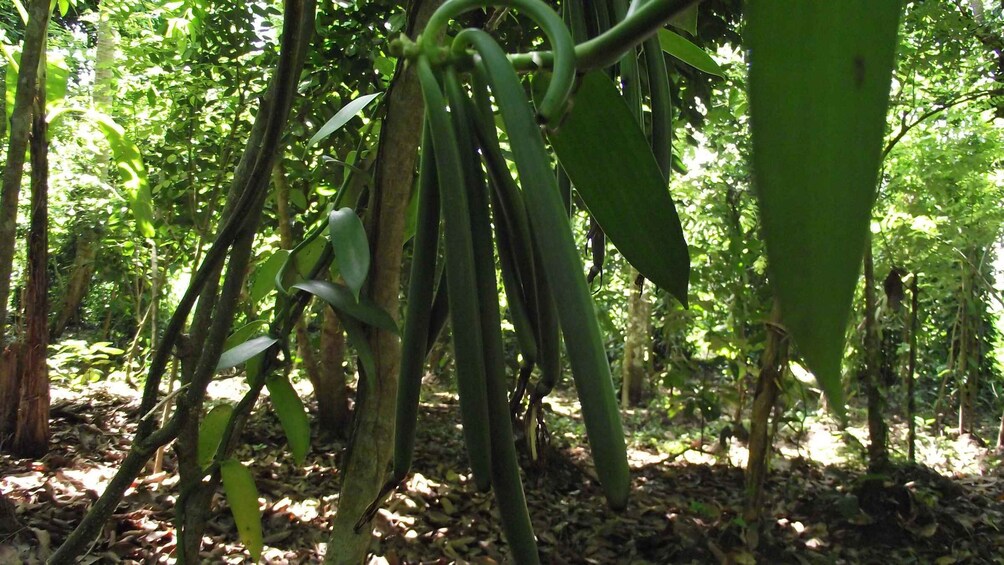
x: 678, y: 46
x: 242, y: 496
x: 624, y: 191
x: 818, y: 100
x: 292, y: 416
x: 211, y: 432
x: 79, y: 362
x: 352, y: 251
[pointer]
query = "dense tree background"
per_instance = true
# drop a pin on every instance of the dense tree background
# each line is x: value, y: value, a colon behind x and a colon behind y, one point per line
x: 184, y: 82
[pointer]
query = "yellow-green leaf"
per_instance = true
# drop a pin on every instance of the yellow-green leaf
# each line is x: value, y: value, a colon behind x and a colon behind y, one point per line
x: 211, y: 431
x: 292, y: 416
x: 242, y: 496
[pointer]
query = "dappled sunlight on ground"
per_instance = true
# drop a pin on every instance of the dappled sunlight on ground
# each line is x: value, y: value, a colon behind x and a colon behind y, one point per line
x: 685, y: 506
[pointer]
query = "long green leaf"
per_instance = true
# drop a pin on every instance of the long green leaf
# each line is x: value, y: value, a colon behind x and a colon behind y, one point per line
x: 247, y: 350
x: 242, y: 496
x: 130, y: 164
x: 340, y: 298
x: 819, y: 88
x: 211, y: 431
x: 611, y: 165
x: 352, y: 251
x: 679, y: 47
x: 292, y: 416
x: 342, y: 117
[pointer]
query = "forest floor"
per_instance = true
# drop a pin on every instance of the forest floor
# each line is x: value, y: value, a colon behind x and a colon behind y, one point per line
x: 820, y: 507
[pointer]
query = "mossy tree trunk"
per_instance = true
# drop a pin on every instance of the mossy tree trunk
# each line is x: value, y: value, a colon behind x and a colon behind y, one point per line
x: 32, y: 60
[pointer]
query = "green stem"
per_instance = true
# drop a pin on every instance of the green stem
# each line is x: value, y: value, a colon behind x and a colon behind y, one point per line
x: 606, y: 49
x: 562, y: 45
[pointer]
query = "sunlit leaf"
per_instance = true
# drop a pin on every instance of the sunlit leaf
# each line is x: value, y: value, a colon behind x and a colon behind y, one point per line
x: 292, y: 416
x: 681, y: 48
x: 130, y: 165
x: 342, y: 117
x: 340, y: 298
x: 57, y: 76
x: 241, y: 353
x: 263, y: 276
x: 611, y: 165
x: 242, y: 496
x: 211, y: 431
x: 352, y: 251
x: 819, y: 87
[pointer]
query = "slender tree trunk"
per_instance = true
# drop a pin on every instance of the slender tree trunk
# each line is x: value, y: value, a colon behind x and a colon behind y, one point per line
x: 20, y: 126
x: 635, y: 342
x: 878, y: 455
x: 84, y: 253
x: 332, y: 394
x: 10, y: 387
x: 911, y: 400
x: 372, y: 440
x: 1000, y: 437
x: 3, y: 104
x: 967, y: 371
x: 772, y: 366
x: 31, y: 439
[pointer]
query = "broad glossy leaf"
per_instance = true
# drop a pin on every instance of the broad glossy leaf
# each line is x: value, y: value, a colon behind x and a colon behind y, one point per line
x: 241, y: 353
x: 611, y: 165
x: 263, y: 277
x: 819, y: 87
x: 211, y: 431
x: 340, y: 298
x: 342, y: 117
x: 352, y: 251
x: 292, y: 416
x: 242, y: 496
x: 681, y: 48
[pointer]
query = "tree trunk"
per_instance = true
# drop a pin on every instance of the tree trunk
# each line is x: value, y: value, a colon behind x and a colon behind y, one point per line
x: 636, y: 341
x: 373, y: 430
x: 967, y: 372
x: 911, y: 400
x: 85, y: 251
x: 1000, y: 437
x: 772, y: 366
x: 331, y: 389
x: 31, y: 439
x: 878, y: 455
x: 20, y: 126
x: 10, y: 386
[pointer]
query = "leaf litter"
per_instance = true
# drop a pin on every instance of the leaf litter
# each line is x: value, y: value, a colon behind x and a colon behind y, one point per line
x: 680, y: 511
